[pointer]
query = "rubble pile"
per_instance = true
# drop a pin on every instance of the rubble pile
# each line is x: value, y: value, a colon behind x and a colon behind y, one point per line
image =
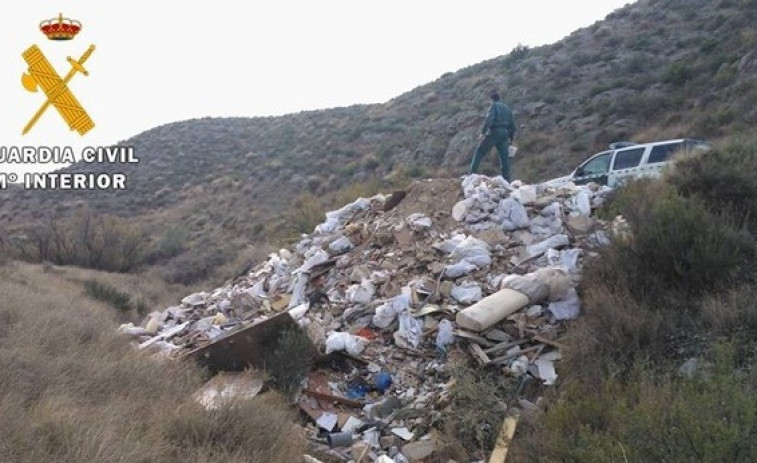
x: 389, y: 289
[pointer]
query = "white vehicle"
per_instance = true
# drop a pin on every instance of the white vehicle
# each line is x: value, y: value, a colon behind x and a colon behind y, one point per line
x: 627, y: 160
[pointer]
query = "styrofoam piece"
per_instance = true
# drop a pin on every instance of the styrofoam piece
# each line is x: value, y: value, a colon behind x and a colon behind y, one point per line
x: 491, y: 309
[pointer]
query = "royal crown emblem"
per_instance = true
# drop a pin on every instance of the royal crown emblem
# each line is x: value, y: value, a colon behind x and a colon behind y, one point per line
x: 60, y: 28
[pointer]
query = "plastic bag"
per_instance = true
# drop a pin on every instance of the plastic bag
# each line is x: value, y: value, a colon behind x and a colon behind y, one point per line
x: 299, y: 311
x: 567, y: 308
x: 410, y: 330
x: 449, y: 245
x: 473, y: 250
x: 513, y: 213
x: 388, y: 311
x: 530, y: 285
x: 459, y: 269
x: 467, y: 292
x: 347, y: 342
x: 362, y: 293
x: 583, y: 203
x: 335, y: 219
x: 418, y: 221
x: 541, y: 247
x: 313, y: 258
x: 444, y: 335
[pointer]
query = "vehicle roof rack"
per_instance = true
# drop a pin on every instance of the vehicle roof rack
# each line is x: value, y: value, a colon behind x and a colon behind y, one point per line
x: 621, y: 144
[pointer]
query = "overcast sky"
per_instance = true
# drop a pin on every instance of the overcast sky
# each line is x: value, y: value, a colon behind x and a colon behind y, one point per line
x: 167, y: 60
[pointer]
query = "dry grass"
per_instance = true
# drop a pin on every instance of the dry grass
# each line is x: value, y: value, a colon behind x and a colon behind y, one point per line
x: 74, y: 391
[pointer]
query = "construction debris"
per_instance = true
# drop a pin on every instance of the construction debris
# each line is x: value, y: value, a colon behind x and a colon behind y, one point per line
x: 225, y: 388
x: 389, y: 286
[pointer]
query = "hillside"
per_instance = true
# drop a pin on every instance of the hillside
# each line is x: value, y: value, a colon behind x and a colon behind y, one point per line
x: 650, y: 357
x: 654, y: 69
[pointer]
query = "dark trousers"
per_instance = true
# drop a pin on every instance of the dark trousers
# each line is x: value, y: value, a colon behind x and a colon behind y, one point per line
x: 499, y: 138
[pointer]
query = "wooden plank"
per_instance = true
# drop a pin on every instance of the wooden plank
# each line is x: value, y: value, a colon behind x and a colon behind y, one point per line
x: 517, y: 354
x: 499, y: 454
x: 248, y: 346
x: 473, y: 337
x: 504, y: 345
x: 534, y: 355
x: 549, y: 342
x: 482, y: 358
x: 333, y: 398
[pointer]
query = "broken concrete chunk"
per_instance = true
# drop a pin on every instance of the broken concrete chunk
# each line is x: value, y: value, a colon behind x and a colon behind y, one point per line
x: 519, y: 366
x: 341, y: 245
x: 580, y: 224
x: 226, y: 388
x: 194, y: 300
x: 534, y: 311
x: 352, y: 424
x: 403, y: 433
x: 460, y: 210
x: 492, y: 236
x: 327, y: 421
x: 419, y: 451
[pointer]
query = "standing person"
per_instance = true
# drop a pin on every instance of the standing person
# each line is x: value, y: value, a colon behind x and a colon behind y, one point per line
x: 498, y: 130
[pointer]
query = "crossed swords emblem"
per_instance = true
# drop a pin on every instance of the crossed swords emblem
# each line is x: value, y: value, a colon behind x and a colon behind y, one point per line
x: 42, y: 75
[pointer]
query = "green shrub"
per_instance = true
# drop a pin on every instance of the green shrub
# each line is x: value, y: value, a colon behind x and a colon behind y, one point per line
x: 616, y: 328
x: 291, y: 360
x: 173, y: 242
x: 733, y: 312
x: 711, y: 417
x: 261, y: 429
x: 194, y: 266
x: 118, y: 299
x: 677, y: 246
x: 678, y: 74
x: 478, y: 406
x: 102, y: 242
x: 723, y: 178
x: 307, y: 212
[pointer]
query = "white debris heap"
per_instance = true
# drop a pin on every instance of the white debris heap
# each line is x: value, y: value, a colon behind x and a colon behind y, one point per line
x: 490, y: 273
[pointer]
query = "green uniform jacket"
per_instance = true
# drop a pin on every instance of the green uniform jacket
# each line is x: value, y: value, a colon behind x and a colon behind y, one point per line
x: 500, y: 116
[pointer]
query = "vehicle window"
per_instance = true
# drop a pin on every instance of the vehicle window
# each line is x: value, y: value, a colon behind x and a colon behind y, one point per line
x: 626, y: 159
x: 598, y: 165
x: 691, y: 144
x: 661, y: 153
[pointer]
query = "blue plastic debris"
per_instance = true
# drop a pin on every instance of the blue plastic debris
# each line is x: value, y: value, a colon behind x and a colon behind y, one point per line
x: 383, y: 381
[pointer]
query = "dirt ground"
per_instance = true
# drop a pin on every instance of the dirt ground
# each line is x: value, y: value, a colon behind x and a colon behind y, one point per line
x: 434, y: 198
